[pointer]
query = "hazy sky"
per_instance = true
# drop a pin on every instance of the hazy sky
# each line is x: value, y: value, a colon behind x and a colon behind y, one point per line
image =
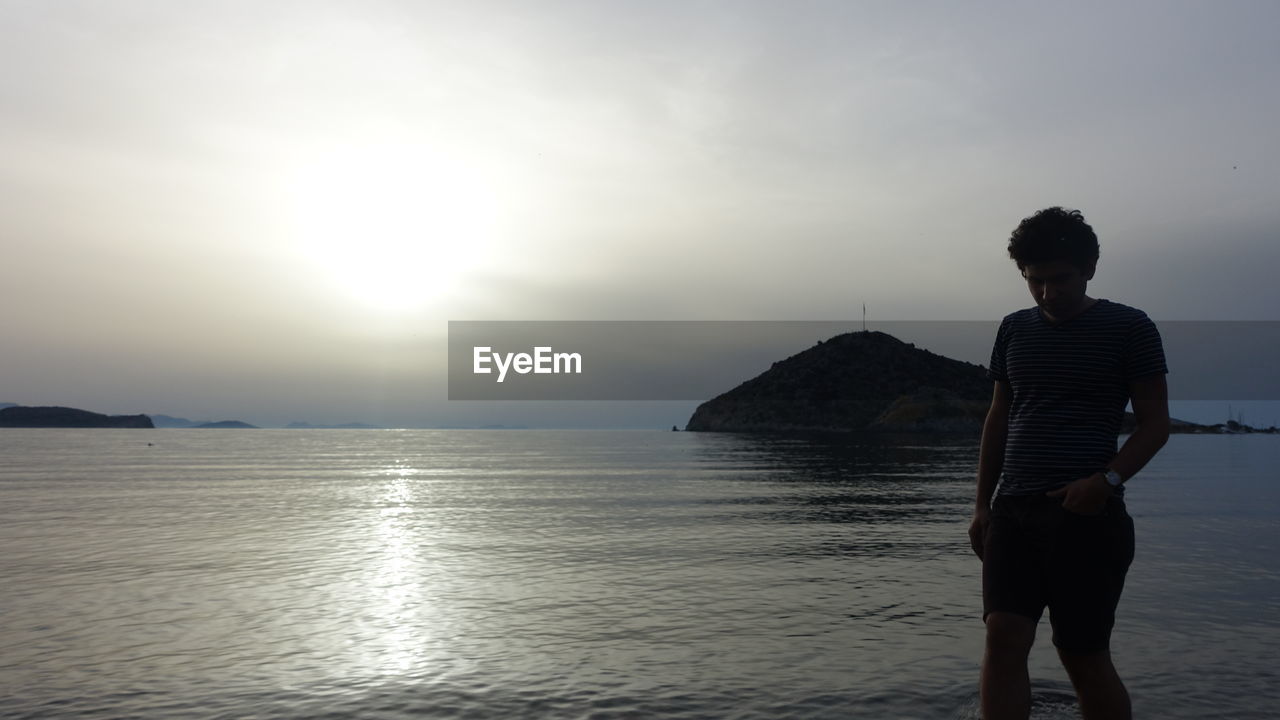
x: 269, y: 210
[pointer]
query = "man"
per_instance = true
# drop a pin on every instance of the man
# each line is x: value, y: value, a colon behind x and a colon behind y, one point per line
x: 1050, y: 523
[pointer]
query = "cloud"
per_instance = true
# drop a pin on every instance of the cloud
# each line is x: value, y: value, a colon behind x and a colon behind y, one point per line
x: 650, y: 161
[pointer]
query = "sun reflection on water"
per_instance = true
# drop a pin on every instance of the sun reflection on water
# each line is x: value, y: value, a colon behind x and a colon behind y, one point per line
x: 395, y: 589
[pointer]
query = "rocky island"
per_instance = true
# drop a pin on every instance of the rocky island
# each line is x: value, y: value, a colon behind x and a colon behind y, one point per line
x: 855, y: 381
x: 16, y: 416
x: 871, y: 381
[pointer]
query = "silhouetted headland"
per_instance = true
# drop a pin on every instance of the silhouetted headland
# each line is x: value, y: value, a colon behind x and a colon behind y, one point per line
x: 65, y: 417
x: 859, y: 381
x: 871, y: 381
x: 1231, y: 427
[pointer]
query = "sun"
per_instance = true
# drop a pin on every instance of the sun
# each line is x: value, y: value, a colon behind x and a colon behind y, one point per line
x: 393, y: 227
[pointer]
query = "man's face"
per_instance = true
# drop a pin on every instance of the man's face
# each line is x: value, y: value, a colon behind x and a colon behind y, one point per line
x: 1058, y: 287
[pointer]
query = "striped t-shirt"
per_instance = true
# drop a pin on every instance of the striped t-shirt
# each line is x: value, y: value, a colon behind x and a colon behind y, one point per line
x: 1070, y: 387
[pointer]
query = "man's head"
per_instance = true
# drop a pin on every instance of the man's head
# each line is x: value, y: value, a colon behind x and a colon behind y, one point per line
x: 1057, y: 253
x: 1051, y: 235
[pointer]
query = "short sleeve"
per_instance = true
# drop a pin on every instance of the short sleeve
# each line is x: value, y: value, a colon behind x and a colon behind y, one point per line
x: 997, y: 371
x: 1143, y: 350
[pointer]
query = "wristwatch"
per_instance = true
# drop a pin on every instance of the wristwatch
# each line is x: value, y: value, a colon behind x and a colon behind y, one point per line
x: 1113, y: 477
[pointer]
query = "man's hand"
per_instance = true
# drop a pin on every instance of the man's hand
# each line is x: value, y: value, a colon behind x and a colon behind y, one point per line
x: 1086, y: 496
x: 978, y: 529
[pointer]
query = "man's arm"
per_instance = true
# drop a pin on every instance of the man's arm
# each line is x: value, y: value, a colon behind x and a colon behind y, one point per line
x: 995, y: 432
x: 1150, y: 398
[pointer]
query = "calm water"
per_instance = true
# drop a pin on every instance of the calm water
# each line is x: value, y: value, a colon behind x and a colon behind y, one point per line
x: 491, y: 574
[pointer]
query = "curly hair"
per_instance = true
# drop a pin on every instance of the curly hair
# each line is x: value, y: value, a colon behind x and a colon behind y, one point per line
x: 1051, y: 235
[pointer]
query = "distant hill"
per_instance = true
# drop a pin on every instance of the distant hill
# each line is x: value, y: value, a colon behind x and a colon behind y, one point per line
x: 168, y: 421
x: 1176, y: 426
x: 299, y: 425
x: 65, y: 417
x: 481, y: 427
x: 872, y: 381
x: 855, y: 381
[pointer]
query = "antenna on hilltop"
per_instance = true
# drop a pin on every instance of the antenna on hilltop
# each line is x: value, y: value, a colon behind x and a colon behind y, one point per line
x: 864, y: 317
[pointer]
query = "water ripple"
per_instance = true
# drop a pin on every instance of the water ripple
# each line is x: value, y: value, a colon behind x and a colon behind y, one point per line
x: 333, y: 574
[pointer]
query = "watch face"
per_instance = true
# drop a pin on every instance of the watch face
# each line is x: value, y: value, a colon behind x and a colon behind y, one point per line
x: 1113, y: 478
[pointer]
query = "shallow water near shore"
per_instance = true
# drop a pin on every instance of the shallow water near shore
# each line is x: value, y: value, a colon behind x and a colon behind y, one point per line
x: 581, y: 574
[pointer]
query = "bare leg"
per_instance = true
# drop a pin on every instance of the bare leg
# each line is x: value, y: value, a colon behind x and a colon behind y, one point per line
x: 1005, y: 687
x: 1102, y: 694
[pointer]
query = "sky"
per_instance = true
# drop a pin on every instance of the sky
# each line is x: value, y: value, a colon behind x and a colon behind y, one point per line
x: 269, y: 211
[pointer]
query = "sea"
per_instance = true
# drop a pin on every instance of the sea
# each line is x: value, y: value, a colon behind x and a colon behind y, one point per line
x: 593, y: 574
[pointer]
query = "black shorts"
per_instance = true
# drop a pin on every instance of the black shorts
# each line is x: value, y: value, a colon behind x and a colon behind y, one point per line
x: 1039, y: 555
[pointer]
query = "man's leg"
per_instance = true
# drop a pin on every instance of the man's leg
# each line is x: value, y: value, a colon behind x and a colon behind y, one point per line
x: 1090, y: 571
x: 1101, y: 692
x: 1005, y: 687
